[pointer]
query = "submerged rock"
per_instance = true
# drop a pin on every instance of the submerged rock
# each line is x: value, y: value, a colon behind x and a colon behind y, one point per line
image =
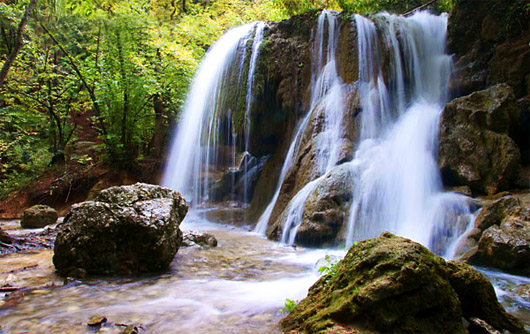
x: 38, y: 216
x: 198, y: 239
x: 475, y: 149
x: 128, y: 229
x: 392, y: 284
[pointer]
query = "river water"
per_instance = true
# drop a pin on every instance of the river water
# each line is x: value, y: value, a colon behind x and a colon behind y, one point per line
x: 237, y: 287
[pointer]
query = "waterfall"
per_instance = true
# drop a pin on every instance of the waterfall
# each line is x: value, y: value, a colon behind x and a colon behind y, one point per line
x: 326, y: 99
x: 402, y: 87
x: 205, y: 143
x: 397, y: 186
x: 258, y: 38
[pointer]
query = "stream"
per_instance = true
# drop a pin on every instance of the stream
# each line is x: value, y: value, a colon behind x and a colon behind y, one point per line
x: 237, y: 287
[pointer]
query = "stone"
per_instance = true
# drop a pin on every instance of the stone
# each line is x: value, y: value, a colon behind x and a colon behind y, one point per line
x: 507, y: 246
x: 494, y: 212
x: 475, y: 149
x: 198, y: 239
x: 38, y: 216
x: 502, y: 229
x: 227, y: 215
x: 478, y: 299
x: 392, y: 284
x: 463, y: 190
x: 97, y: 321
x: 129, y: 229
x: 480, y: 326
x: 232, y: 184
x: 327, y: 208
x: 307, y: 168
x: 489, y: 40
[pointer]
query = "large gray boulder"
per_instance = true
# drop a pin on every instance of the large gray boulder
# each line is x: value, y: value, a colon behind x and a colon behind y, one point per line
x: 38, y: 216
x: 475, y: 148
x: 127, y: 229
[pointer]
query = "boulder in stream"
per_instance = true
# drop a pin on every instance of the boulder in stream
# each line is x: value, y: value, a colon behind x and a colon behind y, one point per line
x: 38, y: 216
x: 127, y: 229
x: 392, y: 284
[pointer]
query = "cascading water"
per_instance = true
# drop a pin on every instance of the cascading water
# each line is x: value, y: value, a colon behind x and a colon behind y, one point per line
x: 326, y: 99
x: 258, y: 38
x: 205, y: 143
x: 397, y: 184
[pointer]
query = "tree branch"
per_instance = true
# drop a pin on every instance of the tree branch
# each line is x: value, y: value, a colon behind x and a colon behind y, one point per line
x: 419, y: 7
x: 90, y: 90
x: 19, y: 42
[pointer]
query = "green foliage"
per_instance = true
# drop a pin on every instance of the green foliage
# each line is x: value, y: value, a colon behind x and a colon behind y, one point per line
x: 289, y: 306
x: 117, y: 68
x: 365, y: 7
x: 333, y: 268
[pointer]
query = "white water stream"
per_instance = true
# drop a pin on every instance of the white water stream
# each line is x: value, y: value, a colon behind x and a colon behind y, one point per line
x: 198, y: 150
x: 327, y: 100
x: 397, y: 183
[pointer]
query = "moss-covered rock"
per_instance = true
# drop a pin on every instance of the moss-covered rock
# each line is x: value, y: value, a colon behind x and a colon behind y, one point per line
x: 392, y: 284
x: 477, y: 298
x: 129, y: 229
x: 474, y: 146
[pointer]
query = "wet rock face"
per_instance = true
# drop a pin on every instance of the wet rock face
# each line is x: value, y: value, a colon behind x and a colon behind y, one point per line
x: 306, y: 168
x: 489, y: 40
x: 475, y: 149
x: 128, y: 229
x: 392, y: 284
x: 502, y: 236
x: 507, y: 246
x: 232, y: 184
x: 326, y: 209
x: 284, y: 74
x: 38, y: 216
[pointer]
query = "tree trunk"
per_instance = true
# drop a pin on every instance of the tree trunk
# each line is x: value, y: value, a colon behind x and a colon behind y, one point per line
x: 160, y: 126
x: 19, y: 42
